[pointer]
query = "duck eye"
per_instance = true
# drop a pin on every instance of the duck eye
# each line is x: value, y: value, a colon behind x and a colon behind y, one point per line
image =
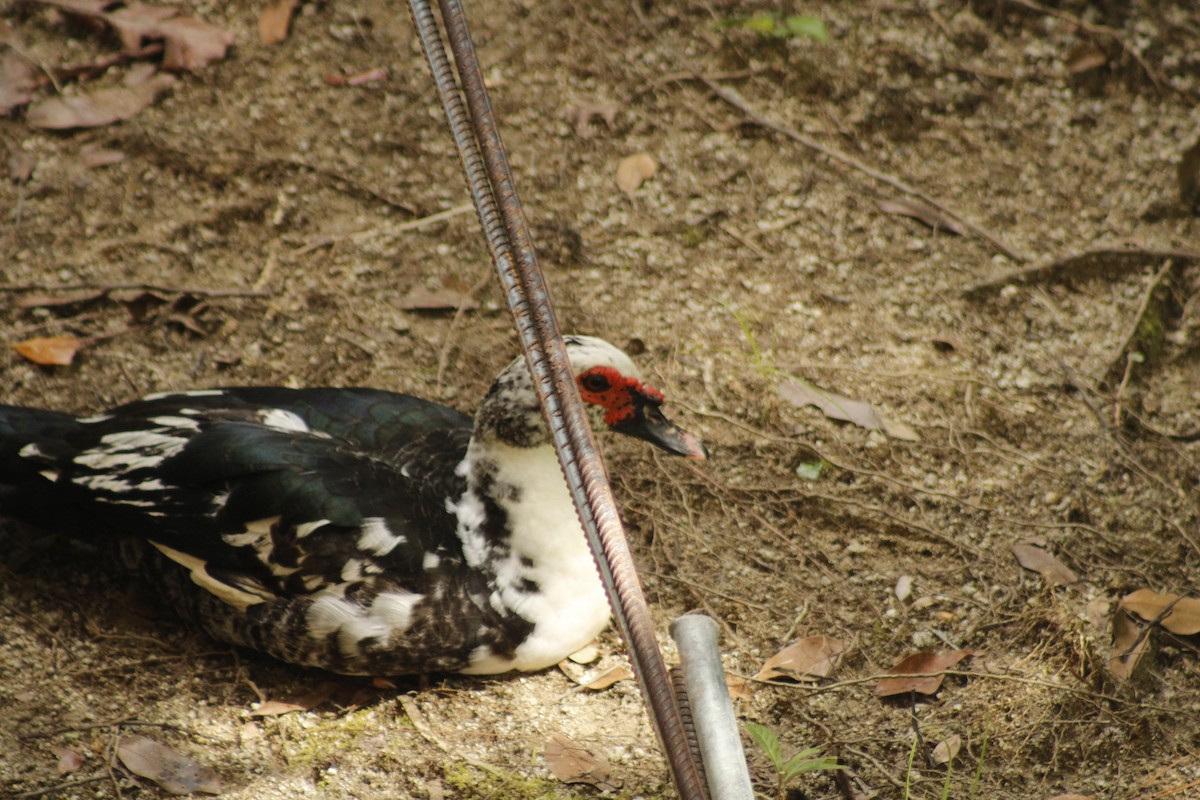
x: 595, y: 383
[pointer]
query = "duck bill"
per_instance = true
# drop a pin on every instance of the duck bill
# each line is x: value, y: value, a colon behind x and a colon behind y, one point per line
x: 649, y: 424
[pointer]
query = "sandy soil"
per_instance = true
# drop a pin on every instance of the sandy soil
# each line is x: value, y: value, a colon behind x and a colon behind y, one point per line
x: 748, y: 260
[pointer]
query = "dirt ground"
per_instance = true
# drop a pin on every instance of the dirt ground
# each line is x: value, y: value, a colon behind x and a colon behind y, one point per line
x: 746, y: 259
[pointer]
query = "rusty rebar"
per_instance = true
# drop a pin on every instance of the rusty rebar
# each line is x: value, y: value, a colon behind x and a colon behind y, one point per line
x: 494, y: 193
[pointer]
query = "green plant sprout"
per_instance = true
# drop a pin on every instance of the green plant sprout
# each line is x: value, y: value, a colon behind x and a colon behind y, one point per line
x: 777, y: 26
x: 804, y: 761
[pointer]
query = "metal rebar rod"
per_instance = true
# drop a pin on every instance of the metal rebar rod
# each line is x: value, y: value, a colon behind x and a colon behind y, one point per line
x: 493, y: 190
x: 712, y: 712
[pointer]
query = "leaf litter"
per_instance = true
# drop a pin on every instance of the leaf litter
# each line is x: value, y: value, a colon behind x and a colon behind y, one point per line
x: 170, y: 769
x: 844, y: 409
x: 1140, y: 611
x: 1037, y: 559
x: 635, y: 170
x: 571, y: 762
x: 913, y: 673
x: 807, y: 659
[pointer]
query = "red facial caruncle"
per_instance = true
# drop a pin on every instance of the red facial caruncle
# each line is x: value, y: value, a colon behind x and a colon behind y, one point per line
x: 608, y: 388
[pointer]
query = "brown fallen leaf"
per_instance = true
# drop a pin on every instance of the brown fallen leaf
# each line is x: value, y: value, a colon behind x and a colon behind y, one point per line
x: 582, y: 115
x: 586, y: 654
x: 102, y: 107
x: 170, y: 769
x: 606, y: 678
x: 421, y: 299
x: 946, y: 750
x: 276, y: 708
x: 188, y: 43
x: 804, y: 660
x: 94, y: 156
x: 571, y: 762
x: 274, y: 21
x: 842, y: 408
x: 20, y: 165
x: 739, y: 688
x: 920, y: 664
x: 1085, y: 57
x: 1046, y: 564
x: 358, y: 79
x: 192, y: 44
x: 49, y: 350
x: 1071, y: 796
x: 68, y: 760
x: 18, y: 78
x: 635, y: 170
x: 917, y: 210
x: 1183, y: 617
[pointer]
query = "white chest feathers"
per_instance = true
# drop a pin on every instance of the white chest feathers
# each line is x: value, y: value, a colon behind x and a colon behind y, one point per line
x: 544, y: 572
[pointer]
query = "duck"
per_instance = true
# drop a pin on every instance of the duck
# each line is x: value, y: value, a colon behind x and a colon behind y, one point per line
x: 356, y: 530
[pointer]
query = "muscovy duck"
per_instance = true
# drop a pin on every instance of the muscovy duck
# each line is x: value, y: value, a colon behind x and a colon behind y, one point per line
x: 356, y: 530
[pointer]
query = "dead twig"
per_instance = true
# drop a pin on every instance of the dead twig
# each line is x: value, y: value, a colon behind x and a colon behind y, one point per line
x: 459, y: 311
x: 198, y: 291
x: 1087, y: 693
x: 58, y: 787
x: 411, y: 225
x: 1137, y: 339
x: 1113, y: 259
x: 734, y: 99
x: 417, y: 718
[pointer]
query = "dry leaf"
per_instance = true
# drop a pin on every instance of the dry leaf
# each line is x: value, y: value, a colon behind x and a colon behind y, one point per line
x: 1034, y: 558
x: 571, y: 762
x: 102, y: 107
x: 946, y: 750
x: 582, y: 115
x: 1183, y: 619
x: 274, y: 21
x: 421, y: 299
x: 93, y: 156
x: 17, y: 80
x: 49, y: 350
x: 1128, y: 644
x: 739, y: 688
x: 1085, y: 57
x: 606, y: 678
x: 921, y: 212
x: 898, y: 430
x: 188, y: 43
x: 804, y: 660
x: 1071, y: 796
x: 904, y: 587
x: 586, y: 654
x: 840, y: 407
x: 275, y: 708
x: 633, y: 171
x: 920, y: 664
x: 68, y: 760
x: 173, y: 771
x: 20, y: 165
x: 1096, y: 612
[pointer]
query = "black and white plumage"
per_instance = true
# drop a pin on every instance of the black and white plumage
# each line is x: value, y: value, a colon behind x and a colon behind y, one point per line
x: 356, y: 530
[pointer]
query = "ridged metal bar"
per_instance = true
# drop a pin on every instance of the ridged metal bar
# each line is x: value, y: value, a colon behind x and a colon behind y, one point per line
x: 494, y: 193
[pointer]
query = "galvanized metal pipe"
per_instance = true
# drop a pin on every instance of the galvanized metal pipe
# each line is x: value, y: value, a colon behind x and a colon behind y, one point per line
x: 493, y: 190
x: 711, y: 710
